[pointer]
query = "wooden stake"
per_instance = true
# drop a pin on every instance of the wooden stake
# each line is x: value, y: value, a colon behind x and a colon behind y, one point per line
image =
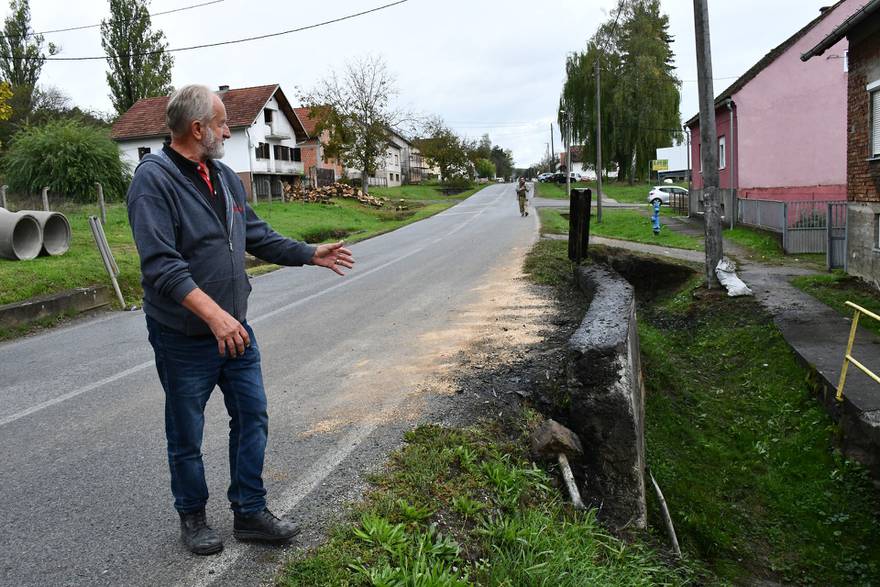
x: 569, y: 482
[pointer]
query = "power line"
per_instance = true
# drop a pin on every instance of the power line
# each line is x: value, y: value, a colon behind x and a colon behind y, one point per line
x: 230, y: 42
x: 614, y: 26
x: 93, y: 26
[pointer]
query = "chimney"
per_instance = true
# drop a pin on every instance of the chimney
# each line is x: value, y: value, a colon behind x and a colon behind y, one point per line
x: 223, y: 89
x: 824, y: 9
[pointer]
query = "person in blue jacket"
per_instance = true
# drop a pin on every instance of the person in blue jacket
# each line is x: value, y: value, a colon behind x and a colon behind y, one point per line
x: 192, y: 225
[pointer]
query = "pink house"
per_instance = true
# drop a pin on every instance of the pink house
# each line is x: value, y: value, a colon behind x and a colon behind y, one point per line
x: 782, y: 125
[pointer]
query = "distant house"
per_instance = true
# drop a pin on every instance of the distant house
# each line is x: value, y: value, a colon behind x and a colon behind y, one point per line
x: 862, y: 128
x: 319, y: 169
x: 781, y: 126
x: 577, y: 163
x: 263, y: 150
x: 402, y: 163
x: 678, y: 163
x: 413, y: 168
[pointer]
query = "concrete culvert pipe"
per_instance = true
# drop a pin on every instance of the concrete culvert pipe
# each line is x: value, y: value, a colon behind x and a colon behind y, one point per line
x: 56, y: 231
x: 21, y: 237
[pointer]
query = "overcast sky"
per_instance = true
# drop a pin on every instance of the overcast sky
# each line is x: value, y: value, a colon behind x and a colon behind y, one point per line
x: 493, y: 66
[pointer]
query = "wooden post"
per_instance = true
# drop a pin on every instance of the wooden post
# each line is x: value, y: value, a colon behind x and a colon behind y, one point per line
x: 101, y: 202
x: 46, y: 198
x: 579, y: 224
x: 708, y: 142
x: 3, y: 203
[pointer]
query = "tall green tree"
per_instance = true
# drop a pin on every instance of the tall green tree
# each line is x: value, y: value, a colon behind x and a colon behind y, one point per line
x: 503, y: 160
x: 445, y: 149
x: 640, y: 92
x: 21, y: 57
x: 138, y: 65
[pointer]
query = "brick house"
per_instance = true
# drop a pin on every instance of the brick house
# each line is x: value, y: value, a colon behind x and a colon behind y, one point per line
x: 319, y: 169
x: 780, y: 126
x: 862, y: 30
x: 264, y: 147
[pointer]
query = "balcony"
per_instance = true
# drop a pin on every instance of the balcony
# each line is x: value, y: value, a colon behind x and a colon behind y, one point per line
x: 275, y: 132
x: 288, y: 167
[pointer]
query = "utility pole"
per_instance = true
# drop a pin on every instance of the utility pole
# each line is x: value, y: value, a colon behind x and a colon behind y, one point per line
x: 564, y: 131
x: 552, y: 147
x: 709, y: 143
x: 599, y: 142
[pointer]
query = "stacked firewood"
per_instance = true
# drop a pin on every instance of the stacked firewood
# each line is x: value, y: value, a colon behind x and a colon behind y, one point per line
x: 323, y: 195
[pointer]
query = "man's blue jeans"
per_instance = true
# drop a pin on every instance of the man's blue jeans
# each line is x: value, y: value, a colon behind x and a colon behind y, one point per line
x: 189, y: 369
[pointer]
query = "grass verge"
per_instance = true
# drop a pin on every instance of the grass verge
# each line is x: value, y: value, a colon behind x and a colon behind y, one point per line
x: 466, y: 507
x: 745, y: 453
x: 835, y: 289
x: 81, y: 266
x: 629, y: 225
x: 621, y: 192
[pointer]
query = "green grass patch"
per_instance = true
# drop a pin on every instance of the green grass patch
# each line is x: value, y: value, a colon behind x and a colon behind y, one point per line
x: 466, y: 507
x: 629, y: 225
x: 553, y: 221
x: 81, y: 266
x: 766, y: 246
x: 835, y: 289
x: 423, y: 192
x: 744, y: 452
x: 547, y: 263
x: 621, y: 192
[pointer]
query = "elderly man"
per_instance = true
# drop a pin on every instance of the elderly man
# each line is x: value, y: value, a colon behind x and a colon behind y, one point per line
x: 192, y: 225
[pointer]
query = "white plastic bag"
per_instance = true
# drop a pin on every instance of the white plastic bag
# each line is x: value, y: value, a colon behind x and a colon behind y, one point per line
x: 726, y: 273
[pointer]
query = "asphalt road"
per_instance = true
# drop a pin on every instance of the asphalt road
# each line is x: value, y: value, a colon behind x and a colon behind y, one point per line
x: 84, y: 496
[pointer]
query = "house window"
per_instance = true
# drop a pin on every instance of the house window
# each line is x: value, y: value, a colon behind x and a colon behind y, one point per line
x: 722, y: 152
x: 267, y: 116
x: 142, y: 151
x: 297, y: 154
x: 877, y: 231
x: 875, y: 122
x: 262, y: 150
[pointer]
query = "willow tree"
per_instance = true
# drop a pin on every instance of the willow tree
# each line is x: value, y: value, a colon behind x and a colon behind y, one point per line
x: 640, y: 93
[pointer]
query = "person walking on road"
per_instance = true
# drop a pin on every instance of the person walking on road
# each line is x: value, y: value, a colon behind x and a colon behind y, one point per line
x: 192, y: 225
x: 522, y: 192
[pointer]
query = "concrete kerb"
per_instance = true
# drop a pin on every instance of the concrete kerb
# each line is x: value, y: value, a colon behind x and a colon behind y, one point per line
x: 65, y: 303
x: 606, y: 394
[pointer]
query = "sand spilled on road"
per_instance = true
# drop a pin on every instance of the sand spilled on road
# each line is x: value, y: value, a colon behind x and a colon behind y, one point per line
x: 506, y: 319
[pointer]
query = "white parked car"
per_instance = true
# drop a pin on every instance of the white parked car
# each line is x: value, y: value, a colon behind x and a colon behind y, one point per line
x: 664, y: 192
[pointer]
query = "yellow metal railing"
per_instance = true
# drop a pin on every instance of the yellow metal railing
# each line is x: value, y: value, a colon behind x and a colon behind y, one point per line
x: 848, y: 358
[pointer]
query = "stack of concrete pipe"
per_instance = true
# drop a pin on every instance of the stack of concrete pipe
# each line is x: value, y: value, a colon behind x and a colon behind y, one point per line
x: 29, y: 233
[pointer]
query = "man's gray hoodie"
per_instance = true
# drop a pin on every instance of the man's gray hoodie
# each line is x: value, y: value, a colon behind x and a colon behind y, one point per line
x: 183, y: 245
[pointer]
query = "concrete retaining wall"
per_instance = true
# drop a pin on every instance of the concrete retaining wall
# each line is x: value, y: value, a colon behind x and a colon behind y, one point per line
x: 68, y: 302
x: 607, y: 408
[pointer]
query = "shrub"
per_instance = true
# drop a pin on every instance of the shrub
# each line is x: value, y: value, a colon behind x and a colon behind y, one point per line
x: 69, y: 157
x: 457, y: 182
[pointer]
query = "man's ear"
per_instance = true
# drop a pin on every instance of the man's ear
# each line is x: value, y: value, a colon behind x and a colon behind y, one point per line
x: 197, y: 129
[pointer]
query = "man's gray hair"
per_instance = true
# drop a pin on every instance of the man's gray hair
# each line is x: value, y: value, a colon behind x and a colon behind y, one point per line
x: 188, y: 104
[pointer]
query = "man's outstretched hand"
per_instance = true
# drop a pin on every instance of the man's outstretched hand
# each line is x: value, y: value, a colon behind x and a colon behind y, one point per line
x: 334, y: 257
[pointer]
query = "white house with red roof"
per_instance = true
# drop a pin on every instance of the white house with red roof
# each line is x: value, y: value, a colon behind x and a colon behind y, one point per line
x: 264, y: 149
